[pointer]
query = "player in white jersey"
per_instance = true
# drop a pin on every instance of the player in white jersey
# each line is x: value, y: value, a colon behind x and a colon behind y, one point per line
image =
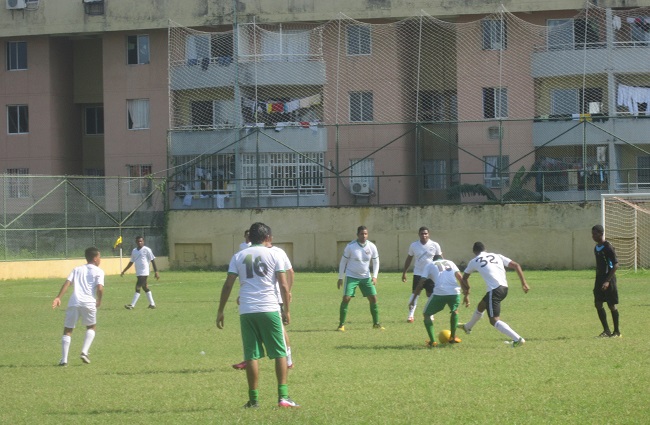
x: 260, y: 317
x: 492, y: 268
x: 446, y: 292
x: 88, y: 289
x: 423, y: 250
x: 355, y: 268
x: 246, y: 242
x: 141, y: 256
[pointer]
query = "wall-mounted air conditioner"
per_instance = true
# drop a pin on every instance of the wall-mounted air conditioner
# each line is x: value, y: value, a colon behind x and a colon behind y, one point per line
x: 496, y: 182
x: 16, y: 4
x: 360, y: 187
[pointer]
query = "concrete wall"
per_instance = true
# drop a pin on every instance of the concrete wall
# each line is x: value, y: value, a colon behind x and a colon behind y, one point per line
x: 62, y: 268
x: 554, y: 236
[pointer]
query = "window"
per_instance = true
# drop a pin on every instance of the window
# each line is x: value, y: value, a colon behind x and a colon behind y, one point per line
x: 16, y: 55
x: 495, y: 103
x: 197, y: 48
x: 95, y: 187
x: 495, y: 133
x: 17, y: 119
x: 137, y: 49
x: 560, y: 34
x: 643, y: 169
x: 283, y: 174
x: 495, y: 35
x: 639, y: 30
x: 574, y: 101
x: 435, y: 173
x: 138, y: 114
x: 17, y: 186
x: 438, y: 105
x: 359, y: 40
x: 94, y: 120
x: 497, y: 170
x: 212, y: 113
x: 139, y: 183
x: 361, y: 106
x: 222, y: 45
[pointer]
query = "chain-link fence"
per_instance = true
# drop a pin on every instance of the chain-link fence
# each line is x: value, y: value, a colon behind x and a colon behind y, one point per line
x: 59, y: 217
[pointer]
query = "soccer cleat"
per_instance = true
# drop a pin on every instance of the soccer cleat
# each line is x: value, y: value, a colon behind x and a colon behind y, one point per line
x: 605, y: 334
x: 84, y: 358
x: 251, y: 405
x: 410, y: 320
x: 430, y: 344
x: 239, y: 366
x: 290, y: 366
x: 287, y: 402
x: 518, y: 343
x: 128, y: 307
x: 152, y: 306
x: 378, y: 326
x: 616, y: 334
x: 462, y: 326
x: 454, y: 340
x: 341, y: 328
x: 62, y: 363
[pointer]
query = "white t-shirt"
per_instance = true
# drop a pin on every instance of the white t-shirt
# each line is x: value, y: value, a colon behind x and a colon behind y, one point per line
x: 244, y: 245
x: 423, y: 255
x: 287, y: 266
x: 85, y: 280
x: 256, y: 267
x: 443, y: 274
x: 355, y: 261
x: 491, y: 267
x: 140, y: 259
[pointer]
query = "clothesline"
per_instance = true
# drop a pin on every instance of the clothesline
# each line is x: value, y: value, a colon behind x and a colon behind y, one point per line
x: 276, y: 106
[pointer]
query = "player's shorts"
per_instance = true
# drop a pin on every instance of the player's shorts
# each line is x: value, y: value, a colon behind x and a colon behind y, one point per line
x: 88, y: 316
x: 366, y: 286
x: 262, y: 330
x: 141, y: 282
x: 437, y: 303
x: 428, y: 284
x: 493, y: 300
x: 610, y: 296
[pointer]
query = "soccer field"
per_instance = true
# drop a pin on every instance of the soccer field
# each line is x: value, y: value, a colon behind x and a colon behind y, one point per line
x: 148, y: 367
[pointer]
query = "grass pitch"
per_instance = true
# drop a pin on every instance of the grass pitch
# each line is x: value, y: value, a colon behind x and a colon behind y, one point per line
x: 148, y: 367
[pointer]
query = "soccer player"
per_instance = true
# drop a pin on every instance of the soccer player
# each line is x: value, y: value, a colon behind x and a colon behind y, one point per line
x: 88, y: 289
x: 141, y: 256
x: 259, y: 312
x: 423, y: 250
x: 355, y: 268
x: 246, y: 242
x: 492, y: 268
x: 446, y: 292
x: 605, y: 289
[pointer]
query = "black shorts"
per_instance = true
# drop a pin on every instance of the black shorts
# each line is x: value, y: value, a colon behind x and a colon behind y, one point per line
x: 493, y: 300
x: 141, y: 282
x: 610, y: 296
x: 428, y: 284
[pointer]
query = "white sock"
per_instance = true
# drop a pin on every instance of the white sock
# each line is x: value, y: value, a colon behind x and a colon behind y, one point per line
x: 289, y: 360
x: 65, y: 347
x: 475, y: 318
x: 506, y: 330
x: 150, y: 297
x: 415, y: 304
x: 135, y: 298
x: 90, y: 335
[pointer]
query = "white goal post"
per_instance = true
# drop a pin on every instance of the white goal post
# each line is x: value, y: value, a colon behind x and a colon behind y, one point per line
x: 626, y: 219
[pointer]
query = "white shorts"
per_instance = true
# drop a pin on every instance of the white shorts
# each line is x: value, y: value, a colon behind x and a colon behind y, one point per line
x: 88, y: 316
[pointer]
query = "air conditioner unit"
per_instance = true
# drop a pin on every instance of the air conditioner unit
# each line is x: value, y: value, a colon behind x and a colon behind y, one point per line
x: 93, y: 1
x: 360, y: 187
x: 496, y: 182
x: 16, y: 4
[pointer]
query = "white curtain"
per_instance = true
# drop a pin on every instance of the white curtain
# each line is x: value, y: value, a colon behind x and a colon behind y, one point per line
x: 139, y: 113
x: 197, y: 46
x: 295, y: 45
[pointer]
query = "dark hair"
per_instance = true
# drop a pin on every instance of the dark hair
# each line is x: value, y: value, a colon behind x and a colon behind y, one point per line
x: 258, y: 233
x: 437, y: 257
x: 423, y: 228
x: 91, y: 253
x: 361, y: 229
x: 478, y: 247
x: 246, y: 232
x: 598, y: 228
x: 138, y: 237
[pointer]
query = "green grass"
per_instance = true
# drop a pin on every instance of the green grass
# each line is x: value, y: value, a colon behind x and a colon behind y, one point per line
x: 147, y: 365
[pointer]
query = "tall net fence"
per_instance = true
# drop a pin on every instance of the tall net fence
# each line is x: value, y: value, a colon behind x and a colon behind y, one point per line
x: 507, y: 108
x: 59, y: 217
x: 626, y: 219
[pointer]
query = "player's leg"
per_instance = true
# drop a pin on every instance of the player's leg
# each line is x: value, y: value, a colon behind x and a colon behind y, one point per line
x: 612, y: 301
x: 349, y: 287
x: 147, y: 291
x: 136, y: 294
x: 253, y: 350
x: 369, y: 291
x: 494, y: 312
x: 273, y: 338
x: 433, y: 306
x: 71, y: 317
x: 478, y: 314
x: 453, y: 301
x: 413, y: 299
x: 599, y: 300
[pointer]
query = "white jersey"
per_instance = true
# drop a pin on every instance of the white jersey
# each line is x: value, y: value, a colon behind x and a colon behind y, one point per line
x: 423, y: 255
x: 287, y: 266
x: 443, y: 274
x: 356, y: 258
x: 256, y: 267
x: 85, y: 280
x: 140, y: 259
x: 244, y: 245
x: 491, y: 267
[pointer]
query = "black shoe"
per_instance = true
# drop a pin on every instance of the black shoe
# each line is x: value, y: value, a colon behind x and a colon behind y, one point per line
x: 128, y: 307
x: 62, y: 363
x: 605, y: 334
x: 616, y: 334
x: 251, y: 405
x: 152, y: 306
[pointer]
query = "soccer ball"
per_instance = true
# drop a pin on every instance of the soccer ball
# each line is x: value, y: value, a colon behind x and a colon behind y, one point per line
x: 444, y: 336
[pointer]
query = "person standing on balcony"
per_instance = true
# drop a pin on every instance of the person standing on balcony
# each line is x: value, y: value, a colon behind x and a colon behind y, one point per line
x: 141, y: 256
x: 423, y: 250
x: 605, y: 289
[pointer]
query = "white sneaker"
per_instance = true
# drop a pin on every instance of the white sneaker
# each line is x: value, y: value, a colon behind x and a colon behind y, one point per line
x: 84, y: 358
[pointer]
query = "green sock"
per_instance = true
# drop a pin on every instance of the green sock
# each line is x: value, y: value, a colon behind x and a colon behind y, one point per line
x: 453, y: 322
x: 374, y: 311
x: 283, y: 391
x: 428, y: 325
x: 343, y: 313
x: 252, y: 395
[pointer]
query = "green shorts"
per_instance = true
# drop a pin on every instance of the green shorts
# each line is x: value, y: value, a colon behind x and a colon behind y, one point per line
x: 437, y: 303
x: 260, y: 330
x: 366, y: 286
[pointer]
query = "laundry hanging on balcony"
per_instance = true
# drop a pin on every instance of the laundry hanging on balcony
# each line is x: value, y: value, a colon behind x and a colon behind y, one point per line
x: 631, y: 97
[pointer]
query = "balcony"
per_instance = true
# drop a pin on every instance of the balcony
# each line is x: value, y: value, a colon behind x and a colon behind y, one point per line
x: 568, y: 132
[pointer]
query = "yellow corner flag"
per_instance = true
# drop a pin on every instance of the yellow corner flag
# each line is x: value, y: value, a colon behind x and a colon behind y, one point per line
x: 118, y: 242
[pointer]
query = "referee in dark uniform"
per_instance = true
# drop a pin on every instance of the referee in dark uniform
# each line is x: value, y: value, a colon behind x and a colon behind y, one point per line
x: 605, y: 290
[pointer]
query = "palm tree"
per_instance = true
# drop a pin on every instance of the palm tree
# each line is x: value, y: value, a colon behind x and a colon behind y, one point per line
x: 516, y: 193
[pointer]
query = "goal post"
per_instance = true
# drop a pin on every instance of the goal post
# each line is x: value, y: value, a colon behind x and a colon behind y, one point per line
x: 626, y: 220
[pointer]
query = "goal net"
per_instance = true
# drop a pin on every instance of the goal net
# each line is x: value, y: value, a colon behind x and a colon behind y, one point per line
x: 626, y: 219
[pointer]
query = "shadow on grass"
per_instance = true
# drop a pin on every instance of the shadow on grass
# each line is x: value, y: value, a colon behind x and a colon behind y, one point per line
x: 131, y: 411
x: 381, y: 347
x: 165, y: 372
